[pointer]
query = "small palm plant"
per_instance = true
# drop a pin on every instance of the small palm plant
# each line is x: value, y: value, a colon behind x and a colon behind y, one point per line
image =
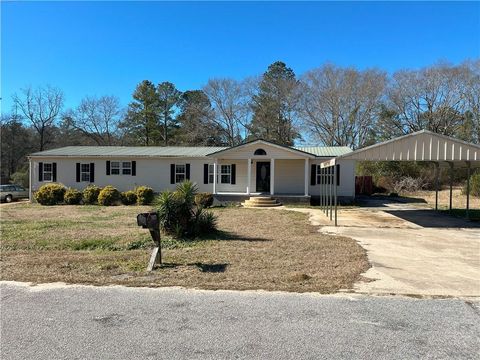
x: 181, y: 216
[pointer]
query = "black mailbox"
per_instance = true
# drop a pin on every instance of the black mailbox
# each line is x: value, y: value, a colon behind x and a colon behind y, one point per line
x: 148, y: 220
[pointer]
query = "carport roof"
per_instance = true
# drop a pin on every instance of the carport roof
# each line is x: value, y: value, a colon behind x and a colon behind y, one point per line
x: 422, y: 145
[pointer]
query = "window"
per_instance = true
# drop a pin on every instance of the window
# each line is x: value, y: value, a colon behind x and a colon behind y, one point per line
x: 127, y: 168
x: 225, y: 174
x: 260, y: 152
x: 327, y: 174
x: 115, y: 168
x: 180, y: 171
x: 211, y: 173
x: 85, y: 172
x: 47, y: 172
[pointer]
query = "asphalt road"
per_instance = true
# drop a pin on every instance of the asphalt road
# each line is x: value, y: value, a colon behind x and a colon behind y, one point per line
x: 125, y: 323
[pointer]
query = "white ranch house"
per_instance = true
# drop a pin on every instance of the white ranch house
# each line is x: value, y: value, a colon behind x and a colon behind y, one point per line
x: 254, y: 168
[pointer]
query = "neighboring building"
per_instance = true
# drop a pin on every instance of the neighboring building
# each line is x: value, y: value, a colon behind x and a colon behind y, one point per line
x: 257, y: 167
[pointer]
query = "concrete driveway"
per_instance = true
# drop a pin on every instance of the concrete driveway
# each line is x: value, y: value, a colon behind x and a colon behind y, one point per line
x: 412, y: 249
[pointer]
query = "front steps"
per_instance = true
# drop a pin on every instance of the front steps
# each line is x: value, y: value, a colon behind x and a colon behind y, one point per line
x: 261, y: 202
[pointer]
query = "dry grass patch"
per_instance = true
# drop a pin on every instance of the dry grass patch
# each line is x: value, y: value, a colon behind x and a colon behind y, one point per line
x: 255, y: 249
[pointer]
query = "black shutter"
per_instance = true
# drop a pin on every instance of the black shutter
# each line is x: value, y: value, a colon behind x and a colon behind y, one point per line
x: 233, y: 174
x: 78, y: 172
x: 92, y: 172
x: 338, y: 174
x: 134, y: 168
x: 54, y: 172
x: 108, y: 167
x: 187, y: 171
x: 172, y: 173
x: 313, y: 174
x: 205, y: 173
x: 40, y: 171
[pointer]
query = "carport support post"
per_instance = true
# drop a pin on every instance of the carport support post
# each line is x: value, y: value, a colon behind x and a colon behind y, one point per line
x: 451, y: 186
x: 437, y: 171
x: 335, y: 191
x: 468, y: 191
x: 331, y: 192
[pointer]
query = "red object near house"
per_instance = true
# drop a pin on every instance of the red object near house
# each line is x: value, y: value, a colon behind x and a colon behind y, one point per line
x: 363, y: 185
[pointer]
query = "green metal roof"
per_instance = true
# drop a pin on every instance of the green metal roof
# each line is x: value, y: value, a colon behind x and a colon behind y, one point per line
x: 168, y: 151
x: 325, y: 151
x: 133, y: 151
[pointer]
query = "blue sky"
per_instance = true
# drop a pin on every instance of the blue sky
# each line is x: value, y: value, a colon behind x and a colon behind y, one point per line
x: 106, y: 48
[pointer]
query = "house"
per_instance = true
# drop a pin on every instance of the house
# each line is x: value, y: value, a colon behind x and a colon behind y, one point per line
x: 254, y: 168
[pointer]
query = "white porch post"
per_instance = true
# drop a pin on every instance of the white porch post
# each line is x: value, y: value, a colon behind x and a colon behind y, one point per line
x: 306, y: 177
x: 249, y: 177
x: 272, y: 176
x: 215, y: 167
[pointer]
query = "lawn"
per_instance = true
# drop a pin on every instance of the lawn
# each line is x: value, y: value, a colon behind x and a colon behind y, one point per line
x: 254, y: 249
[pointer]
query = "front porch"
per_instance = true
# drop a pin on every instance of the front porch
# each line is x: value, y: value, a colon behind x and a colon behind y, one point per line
x: 255, y: 177
x: 230, y: 197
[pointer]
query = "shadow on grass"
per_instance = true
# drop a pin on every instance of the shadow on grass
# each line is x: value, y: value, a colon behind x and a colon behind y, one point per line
x: 221, y: 235
x: 206, y: 268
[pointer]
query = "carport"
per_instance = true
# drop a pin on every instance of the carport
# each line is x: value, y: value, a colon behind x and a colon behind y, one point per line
x: 424, y: 145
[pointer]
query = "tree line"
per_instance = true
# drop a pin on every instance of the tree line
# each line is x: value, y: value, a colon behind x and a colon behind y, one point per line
x: 329, y: 105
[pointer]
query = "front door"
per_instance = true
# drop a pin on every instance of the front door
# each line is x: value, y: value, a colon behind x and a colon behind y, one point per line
x: 263, y: 177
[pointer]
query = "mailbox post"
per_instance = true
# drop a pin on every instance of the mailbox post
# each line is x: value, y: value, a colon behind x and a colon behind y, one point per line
x: 150, y: 221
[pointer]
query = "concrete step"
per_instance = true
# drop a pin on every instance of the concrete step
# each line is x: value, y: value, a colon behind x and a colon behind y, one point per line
x: 261, y: 202
x: 259, y: 205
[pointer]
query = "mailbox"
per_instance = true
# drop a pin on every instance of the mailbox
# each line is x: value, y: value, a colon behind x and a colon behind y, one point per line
x: 148, y: 220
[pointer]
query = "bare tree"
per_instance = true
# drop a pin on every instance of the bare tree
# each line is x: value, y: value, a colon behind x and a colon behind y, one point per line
x: 40, y: 107
x: 472, y: 96
x: 431, y: 98
x: 98, y: 118
x: 230, y: 105
x: 339, y: 106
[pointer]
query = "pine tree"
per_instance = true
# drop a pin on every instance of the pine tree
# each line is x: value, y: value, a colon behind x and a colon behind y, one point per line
x: 274, y: 105
x: 169, y: 98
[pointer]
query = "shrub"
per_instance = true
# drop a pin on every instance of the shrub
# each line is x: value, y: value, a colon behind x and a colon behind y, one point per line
x: 204, y: 199
x: 409, y: 184
x: 90, y: 194
x: 20, y: 178
x: 128, y: 197
x: 474, y: 185
x: 50, y: 194
x: 72, y: 197
x: 108, y: 196
x: 180, y: 215
x: 145, y: 195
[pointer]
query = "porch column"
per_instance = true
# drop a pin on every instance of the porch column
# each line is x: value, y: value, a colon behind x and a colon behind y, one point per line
x: 272, y: 176
x: 249, y: 176
x: 215, y: 168
x: 306, y: 177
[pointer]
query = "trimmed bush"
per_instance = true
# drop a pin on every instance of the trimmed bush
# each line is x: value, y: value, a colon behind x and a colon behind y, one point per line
x: 180, y: 215
x: 90, y: 194
x: 109, y: 196
x: 128, y: 197
x: 204, y: 199
x: 145, y: 195
x: 474, y: 185
x: 72, y: 197
x: 50, y: 194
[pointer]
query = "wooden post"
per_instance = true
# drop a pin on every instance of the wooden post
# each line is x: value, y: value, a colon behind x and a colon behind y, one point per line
x: 156, y: 257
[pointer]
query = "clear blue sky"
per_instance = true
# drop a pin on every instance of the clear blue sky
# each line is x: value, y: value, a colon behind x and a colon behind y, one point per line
x: 106, y: 48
